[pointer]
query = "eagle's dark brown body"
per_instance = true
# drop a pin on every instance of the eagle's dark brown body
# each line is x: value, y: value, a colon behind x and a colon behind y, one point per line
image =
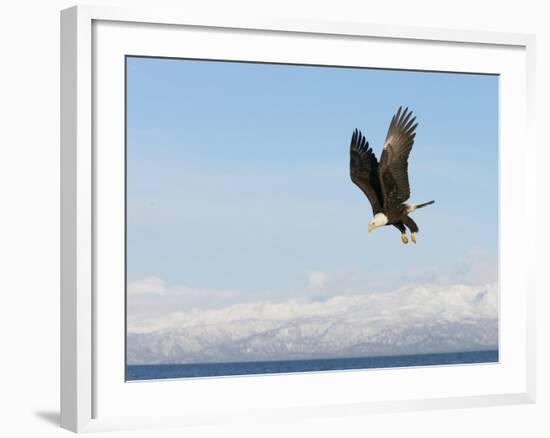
x: 386, y: 183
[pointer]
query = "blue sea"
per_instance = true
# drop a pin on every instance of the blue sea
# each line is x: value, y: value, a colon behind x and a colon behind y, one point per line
x: 175, y: 371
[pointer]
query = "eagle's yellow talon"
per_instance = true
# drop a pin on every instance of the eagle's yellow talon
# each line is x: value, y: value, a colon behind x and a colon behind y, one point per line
x: 404, y: 238
x: 413, y: 238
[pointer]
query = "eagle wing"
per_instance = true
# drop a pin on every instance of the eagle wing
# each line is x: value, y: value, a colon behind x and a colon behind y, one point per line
x: 364, y: 170
x: 393, y: 169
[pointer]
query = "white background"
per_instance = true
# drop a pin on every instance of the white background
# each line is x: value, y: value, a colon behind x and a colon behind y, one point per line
x: 29, y: 219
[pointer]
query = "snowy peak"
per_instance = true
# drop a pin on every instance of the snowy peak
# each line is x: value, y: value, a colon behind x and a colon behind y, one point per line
x: 409, y: 320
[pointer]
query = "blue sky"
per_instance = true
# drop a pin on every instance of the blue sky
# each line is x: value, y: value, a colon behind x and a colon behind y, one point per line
x: 238, y: 175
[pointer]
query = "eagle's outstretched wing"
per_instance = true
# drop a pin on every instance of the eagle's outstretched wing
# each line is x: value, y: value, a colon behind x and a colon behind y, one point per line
x: 364, y: 170
x: 393, y: 168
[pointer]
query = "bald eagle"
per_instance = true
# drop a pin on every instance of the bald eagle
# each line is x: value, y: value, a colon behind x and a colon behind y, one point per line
x: 386, y: 183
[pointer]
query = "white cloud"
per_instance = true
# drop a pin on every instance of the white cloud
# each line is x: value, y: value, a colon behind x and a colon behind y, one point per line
x: 474, y: 268
x: 156, y: 286
x: 147, y: 285
x: 318, y: 279
x: 151, y: 296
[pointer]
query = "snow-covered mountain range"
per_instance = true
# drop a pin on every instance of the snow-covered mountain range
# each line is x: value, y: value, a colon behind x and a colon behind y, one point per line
x: 407, y: 321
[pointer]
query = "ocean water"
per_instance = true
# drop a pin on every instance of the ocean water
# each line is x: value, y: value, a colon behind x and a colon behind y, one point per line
x: 174, y: 371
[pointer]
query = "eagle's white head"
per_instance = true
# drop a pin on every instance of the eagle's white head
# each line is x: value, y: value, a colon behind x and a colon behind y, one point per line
x: 379, y: 220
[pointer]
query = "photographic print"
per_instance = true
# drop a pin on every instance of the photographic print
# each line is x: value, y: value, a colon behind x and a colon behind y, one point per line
x: 297, y: 218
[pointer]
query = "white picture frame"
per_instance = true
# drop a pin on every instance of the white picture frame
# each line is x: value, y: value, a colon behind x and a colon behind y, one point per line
x: 93, y: 396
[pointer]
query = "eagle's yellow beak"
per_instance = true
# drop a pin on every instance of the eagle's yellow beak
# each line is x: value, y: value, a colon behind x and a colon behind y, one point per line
x: 370, y: 227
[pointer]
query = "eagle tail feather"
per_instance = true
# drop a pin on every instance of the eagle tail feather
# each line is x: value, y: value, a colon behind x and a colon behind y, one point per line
x: 413, y: 207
